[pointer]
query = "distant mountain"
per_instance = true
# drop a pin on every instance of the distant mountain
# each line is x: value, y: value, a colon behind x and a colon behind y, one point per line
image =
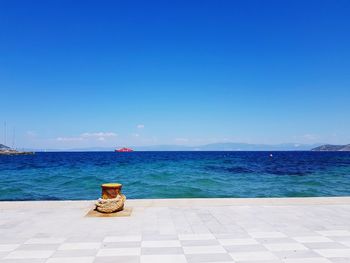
x: 163, y: 148
x: 207, y: 147
x: 332, y: 148
x: 4, y: 147
x: 255, y: 147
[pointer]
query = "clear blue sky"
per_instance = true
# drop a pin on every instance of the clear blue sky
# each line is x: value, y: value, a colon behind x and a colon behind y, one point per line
x: 104, y: 73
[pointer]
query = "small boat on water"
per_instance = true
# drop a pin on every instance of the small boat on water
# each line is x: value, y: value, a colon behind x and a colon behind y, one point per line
x: 124, y: 150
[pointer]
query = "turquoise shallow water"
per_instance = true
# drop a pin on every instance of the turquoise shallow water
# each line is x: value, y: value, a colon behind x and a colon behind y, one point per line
x: 68, y: 176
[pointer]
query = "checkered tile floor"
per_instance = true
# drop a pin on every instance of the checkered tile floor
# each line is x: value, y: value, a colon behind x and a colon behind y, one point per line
x: 271, y: 246
x: 59, y: 233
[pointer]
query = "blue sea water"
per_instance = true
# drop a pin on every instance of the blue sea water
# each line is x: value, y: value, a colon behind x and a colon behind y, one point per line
x: 78, y: 175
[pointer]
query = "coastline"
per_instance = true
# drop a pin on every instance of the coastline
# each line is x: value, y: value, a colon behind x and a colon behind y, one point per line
x: 188, y: 202
x: 14, y: 152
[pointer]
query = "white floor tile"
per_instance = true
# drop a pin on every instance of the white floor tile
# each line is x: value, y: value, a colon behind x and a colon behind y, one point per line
x: 285, y: 246
x: 71, y: 260
x: 306, y: 260
x: 163, y: 259
x: 110, y: 252
x: 334, y: 253
x: 312, y: 239
x: 335, y: 233
x: 8, y: 247
x: 131, y: 238
x: 204, y: 249
x: 238, y: 241
x: 345, y: 243
x: 253, y: 256
x: 196, y: 237
x: 29, y: 254
x: 49, y: 240
x: 271, y: 234
x: 80, y: 245
x: 161, y: 243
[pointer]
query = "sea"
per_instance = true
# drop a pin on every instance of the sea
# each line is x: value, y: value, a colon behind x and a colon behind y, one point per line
x: 79, y: 175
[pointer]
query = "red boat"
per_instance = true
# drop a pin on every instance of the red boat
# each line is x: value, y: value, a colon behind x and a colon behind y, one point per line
x: 124, y: 150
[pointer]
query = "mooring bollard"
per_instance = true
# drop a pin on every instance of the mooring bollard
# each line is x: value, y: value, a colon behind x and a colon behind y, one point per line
x: 111, y: 190
x: 112, y: 199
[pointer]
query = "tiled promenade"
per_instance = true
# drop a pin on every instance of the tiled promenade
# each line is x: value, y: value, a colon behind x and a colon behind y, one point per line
x: 305, y: 230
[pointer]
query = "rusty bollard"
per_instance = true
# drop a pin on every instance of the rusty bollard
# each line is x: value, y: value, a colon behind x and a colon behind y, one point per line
x: 112, y: 199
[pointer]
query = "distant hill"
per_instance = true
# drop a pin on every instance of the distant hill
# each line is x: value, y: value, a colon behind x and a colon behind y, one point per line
x: 3, y: 147
x: 332, y: 148
x: 208, y: 147
x: 255, y: 147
